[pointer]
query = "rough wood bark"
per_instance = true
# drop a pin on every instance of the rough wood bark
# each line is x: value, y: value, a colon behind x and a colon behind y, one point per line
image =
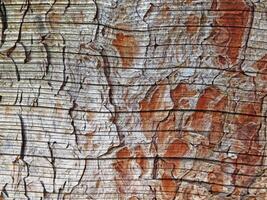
x: 133, y: 99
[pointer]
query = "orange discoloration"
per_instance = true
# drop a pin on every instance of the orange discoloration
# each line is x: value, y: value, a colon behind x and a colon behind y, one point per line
x: 261, y: 67
x: 217, y: 122
x: 122, y: 165
x: 127, y: 47
x: 168, y: 186
x: 216, y: 178
x: 177, y: 148
x: 247, y: 131
x: 155, y: 102
x: 143, y: 163
x: 163, y: 133
x: 234, y: 20
x: 247, y: 125
x: 207, y: 101
x: 180, y: 96
x: 192, y: 24
x: 187, y: 194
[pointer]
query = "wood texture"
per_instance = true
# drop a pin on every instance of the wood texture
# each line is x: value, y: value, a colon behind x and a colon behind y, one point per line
x: 133, y: 99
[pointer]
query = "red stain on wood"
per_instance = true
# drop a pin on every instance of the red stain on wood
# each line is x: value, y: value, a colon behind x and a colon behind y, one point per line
x: 168, y: 186
x: 247, y: 131
x: 247, y: 125
x: 231, y: 26
x: 127, y: 47
x: 189, y: 1
x: 122, y: 164
x: 192, y: 24
x: 142, y: 162
x: 180, y: 96
x: 154, y: 101
x: 207, y: 101
x: 217, y: 119
x: 165, y: 130
x: 176, y: 149
x: 261, y: 67
x: 216, y: 178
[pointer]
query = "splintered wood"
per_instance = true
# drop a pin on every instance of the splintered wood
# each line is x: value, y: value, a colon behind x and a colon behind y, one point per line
x: 133, y: 99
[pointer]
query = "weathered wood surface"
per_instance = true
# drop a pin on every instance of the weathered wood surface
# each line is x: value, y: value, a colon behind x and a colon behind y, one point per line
x: 136, y: 99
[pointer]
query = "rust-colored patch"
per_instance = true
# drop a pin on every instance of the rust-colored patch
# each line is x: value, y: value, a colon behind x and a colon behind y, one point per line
x: 230, y: 27
x: 187, y: 194
x: 217, y: 119
x: 122, y: 165
x: 154, y: 101
x: 206, y: 102
x: 216, y: 178
x: 127, y: 47
x: 168, y: 186
x: 180, y: 95
x: 165, y: 130
x: 143, y: 163
x: 176, y: 149
x: 247, y: 131
x: 261, y: 67
x: 192, y: 24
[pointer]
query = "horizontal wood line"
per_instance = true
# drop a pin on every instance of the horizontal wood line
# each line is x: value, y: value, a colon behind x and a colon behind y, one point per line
x: 67, y: 150
x: 125, y: 85
x: 82, y: 5
x: 155, y: 28
x: 121, y: 131
x: 116, y: 56
x: 174, y: 179
x: 99, y: 104
x: 197, y: 68
x: 100, y: 158
x: 37, y: 41
x: 64, y: 134
x: 108, y: 167
x: 85, y: 195
x: 146, y: 111
x: 84, y: 99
